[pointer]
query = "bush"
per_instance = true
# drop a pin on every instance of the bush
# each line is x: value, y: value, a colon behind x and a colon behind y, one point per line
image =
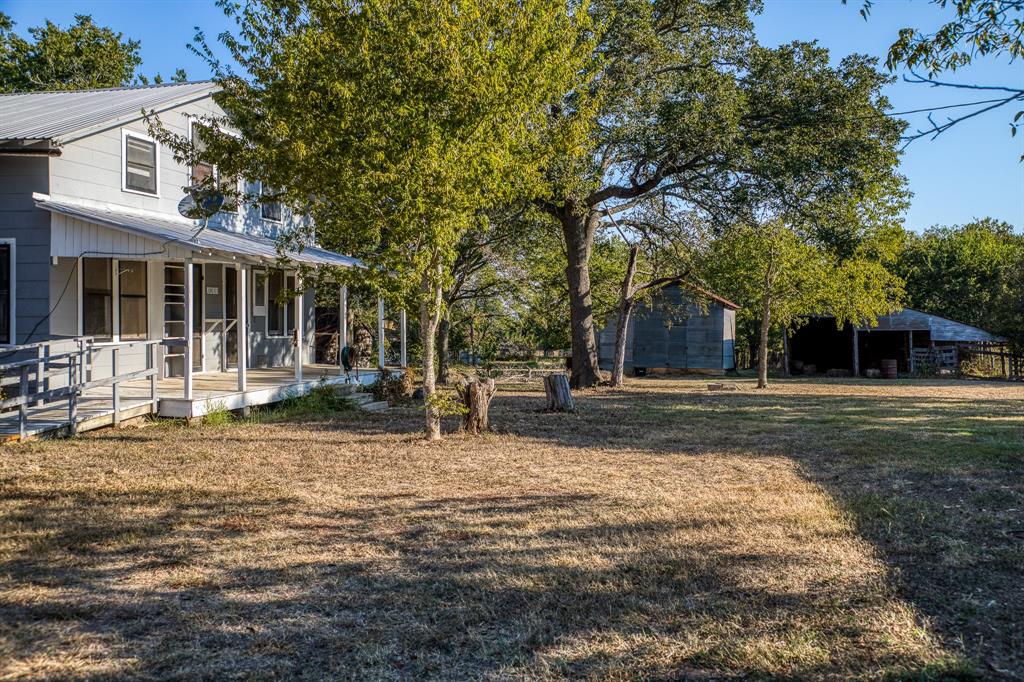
x: 322, y: 400
x: 394, y: 388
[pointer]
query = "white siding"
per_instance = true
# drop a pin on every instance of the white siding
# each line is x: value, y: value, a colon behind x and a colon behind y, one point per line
x: 89, y: 169
x: 72, y: 237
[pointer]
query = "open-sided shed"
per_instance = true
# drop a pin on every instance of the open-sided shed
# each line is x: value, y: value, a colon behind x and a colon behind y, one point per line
x: 824, y: 346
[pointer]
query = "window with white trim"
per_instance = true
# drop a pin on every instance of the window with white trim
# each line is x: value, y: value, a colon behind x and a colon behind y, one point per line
x: 141, y: 159
x: 97, y: 299
x: 269, y: 210
x: 277, y: 312
x: 105, y: 280
x: 131, y: 293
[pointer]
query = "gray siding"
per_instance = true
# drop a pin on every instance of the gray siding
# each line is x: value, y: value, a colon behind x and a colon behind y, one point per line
x: 89, y: 169
x: 19, y: 219
x: 671, y: 332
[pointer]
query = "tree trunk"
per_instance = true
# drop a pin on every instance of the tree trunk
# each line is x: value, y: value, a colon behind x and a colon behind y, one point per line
x: 762, y: 343
x: 443, y: 334
x: 430, y: 312
x: 476, y: 397
x: 579, y: 239
x: 556, y: 387
x: 622, y: 325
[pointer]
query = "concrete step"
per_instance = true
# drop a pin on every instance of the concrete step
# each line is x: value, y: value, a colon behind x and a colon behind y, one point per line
x: 375, y: 406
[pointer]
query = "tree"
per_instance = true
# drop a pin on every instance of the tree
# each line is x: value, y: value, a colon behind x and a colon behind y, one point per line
x: 660, y: 247
x: 82, y: 56
x: 978, y: 29
x: 969, y: 273
x: 395, y: 125
x: 780, y: 278
x: 687, y: 106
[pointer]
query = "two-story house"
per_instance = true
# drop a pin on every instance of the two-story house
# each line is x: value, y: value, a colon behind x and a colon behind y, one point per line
x: 93, y: 247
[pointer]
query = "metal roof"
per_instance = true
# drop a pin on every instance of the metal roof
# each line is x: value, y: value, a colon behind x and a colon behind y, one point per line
x: 183, y: 233
x: 941, y: 329
x: 57, y: 116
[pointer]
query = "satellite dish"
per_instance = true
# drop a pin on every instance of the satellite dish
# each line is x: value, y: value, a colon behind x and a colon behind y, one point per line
x: 200, y: 203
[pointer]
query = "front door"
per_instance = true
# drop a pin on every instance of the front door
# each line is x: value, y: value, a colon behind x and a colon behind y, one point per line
x: 213, y: 317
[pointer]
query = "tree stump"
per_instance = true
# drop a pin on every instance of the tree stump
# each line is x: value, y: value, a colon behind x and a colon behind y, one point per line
x: 476, y: 397
x: 556, y: 386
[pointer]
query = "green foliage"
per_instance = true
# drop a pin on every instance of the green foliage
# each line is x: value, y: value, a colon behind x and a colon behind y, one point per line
x: 980, y: 28
x: 396, y: 125
x: 396, y: 389
x: 218, y: 415
x: 323, y: 400
x: 82, y: 56
x: 780, y: 278
x: 971, y: 273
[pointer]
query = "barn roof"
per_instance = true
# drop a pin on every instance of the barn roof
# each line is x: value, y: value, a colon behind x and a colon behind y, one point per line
x: 63, y: 115
x: 941, y: 328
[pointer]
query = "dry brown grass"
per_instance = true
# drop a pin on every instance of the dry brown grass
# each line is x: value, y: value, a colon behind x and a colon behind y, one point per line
x: 823, y: 529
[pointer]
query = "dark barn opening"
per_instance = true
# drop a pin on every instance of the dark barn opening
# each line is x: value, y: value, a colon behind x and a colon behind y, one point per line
x: 821, y: 344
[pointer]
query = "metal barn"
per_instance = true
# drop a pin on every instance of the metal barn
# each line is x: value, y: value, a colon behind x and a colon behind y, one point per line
x: 905, y: 336
x: 674, y: 334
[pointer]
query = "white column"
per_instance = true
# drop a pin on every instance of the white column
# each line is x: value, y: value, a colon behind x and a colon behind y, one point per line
x: 242, y: 326
x: 402, y: 344
x: 189, y: 313
x: 299, y: 322
x: 380, y: 332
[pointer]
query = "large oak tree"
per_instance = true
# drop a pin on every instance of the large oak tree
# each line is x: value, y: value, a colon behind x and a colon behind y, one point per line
x: 687, y: 105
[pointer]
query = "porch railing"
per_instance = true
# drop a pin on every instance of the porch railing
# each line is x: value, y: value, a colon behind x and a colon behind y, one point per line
x: 63, y: 369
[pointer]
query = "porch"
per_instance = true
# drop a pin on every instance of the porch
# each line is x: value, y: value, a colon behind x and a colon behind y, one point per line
x: 51, y: 401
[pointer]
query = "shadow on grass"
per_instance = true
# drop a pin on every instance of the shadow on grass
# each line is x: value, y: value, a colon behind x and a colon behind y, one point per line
x: 402, y: 587
x: 936, y: 484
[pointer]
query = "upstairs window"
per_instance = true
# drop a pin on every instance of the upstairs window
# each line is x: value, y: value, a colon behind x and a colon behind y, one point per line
x: 202, y: 172
x: 271, y: 210
x: 141, y: 164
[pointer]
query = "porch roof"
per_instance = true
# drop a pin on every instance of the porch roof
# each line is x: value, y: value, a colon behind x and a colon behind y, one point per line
x: 186, y: 235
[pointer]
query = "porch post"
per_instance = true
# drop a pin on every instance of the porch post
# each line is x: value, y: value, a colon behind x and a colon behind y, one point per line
x: 299, y: 322
x: 189, y: 313
x: 404, y: 361
x: 342, y: 325
x: 242, y: 325
x: 380, y: 332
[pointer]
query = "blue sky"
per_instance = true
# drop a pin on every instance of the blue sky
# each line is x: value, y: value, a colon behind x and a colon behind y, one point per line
x: 971, y: 171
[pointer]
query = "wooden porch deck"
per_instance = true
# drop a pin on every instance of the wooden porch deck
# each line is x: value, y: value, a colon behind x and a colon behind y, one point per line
x: 210, y: 391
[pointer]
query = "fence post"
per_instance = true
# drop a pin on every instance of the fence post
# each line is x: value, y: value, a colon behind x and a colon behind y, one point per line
x: 23, y: 406
x: 117, y: 389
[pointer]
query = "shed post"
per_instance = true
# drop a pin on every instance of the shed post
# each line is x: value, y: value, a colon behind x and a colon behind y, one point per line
x: 785, y: 351
x: 189, y: 344
x: 242, y: 326
x: 380, y: 332
x: 910, y: 350
x: 856, y: 353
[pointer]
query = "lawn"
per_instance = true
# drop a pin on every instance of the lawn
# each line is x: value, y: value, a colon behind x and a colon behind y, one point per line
x: 825, y: 528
